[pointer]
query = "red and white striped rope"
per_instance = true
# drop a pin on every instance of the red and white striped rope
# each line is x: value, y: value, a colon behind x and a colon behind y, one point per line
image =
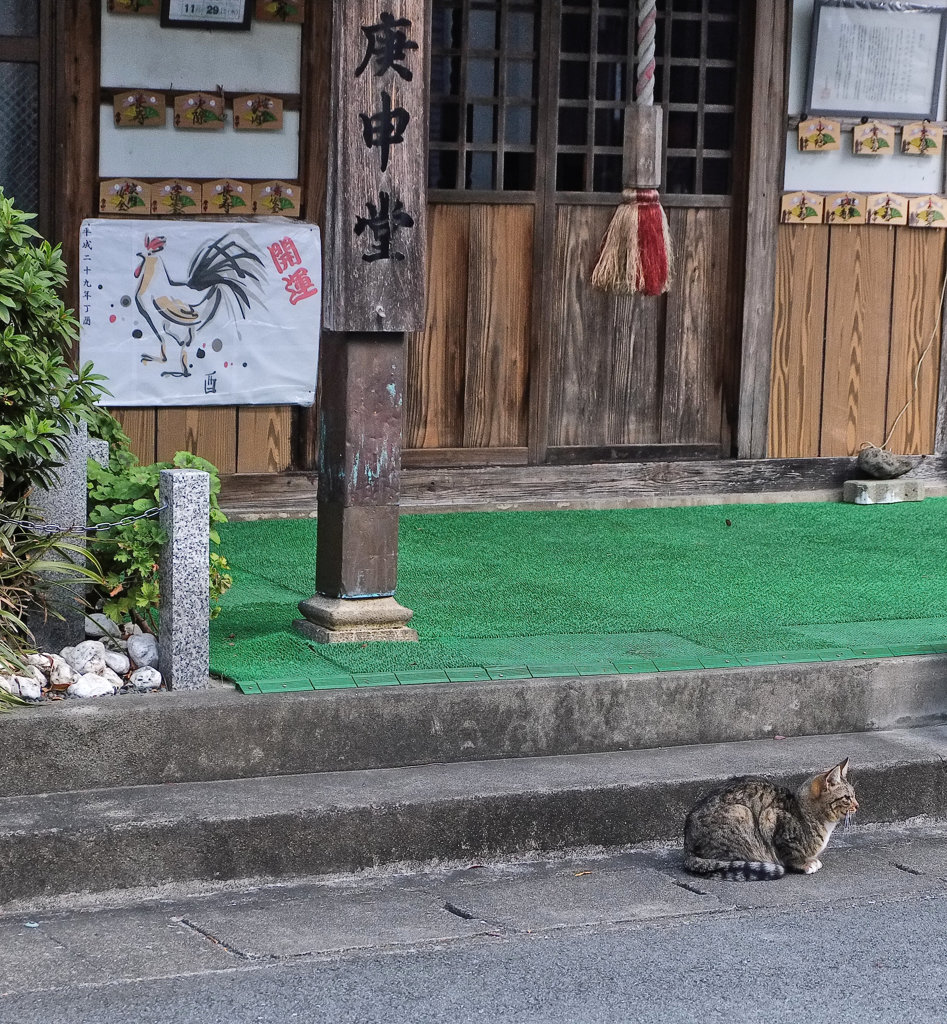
x: 644, y: 58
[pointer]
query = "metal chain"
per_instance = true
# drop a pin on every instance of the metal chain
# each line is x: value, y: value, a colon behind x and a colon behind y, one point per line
x: 54, y: 528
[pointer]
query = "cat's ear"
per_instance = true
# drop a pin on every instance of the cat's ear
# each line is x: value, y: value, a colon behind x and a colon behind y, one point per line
x: 834, y: 776
x: 817, y: 787
x: 843, y: 769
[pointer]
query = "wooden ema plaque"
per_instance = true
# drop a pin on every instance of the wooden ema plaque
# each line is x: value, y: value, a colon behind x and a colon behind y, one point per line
x: 175, y: 197
x: 927, y: 212
x: 921, y: 138
x: 280, y: 10
x: 226, y: 196
x: 377, y: 184
x: 874, y: 138
x: 845, y: 208
x: 801, y: 208
x: 887, y: 208
x: 257, y: 113
x: 276, y: 199
x: 140, y: 108
x: 819, y: 135
x: 126, y: 196
x: 199, y: 111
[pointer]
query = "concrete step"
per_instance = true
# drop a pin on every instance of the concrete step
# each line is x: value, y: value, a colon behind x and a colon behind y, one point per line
x: 96, y: 840
x: 220, y: 734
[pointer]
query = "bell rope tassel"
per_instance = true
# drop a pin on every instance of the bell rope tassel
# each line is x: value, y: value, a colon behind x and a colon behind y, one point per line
x: 635, y: 254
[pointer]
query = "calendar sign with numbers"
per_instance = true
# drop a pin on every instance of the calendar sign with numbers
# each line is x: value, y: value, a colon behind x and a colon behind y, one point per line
x: 232, y: 14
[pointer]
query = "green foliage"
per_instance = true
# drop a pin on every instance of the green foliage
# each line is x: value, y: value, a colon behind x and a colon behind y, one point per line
x: 129, y: 554
x: 24, y: 557
x: 42, y: 399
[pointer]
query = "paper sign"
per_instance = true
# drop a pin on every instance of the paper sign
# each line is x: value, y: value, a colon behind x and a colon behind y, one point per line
x: 201, y: 313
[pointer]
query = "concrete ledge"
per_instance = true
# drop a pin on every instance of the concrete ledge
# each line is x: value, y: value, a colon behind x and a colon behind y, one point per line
x: 882, y: 492
x: 346, y: 821
x: 221, y: 734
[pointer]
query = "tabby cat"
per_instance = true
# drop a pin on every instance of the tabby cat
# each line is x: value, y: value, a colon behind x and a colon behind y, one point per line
x: 751, y: 828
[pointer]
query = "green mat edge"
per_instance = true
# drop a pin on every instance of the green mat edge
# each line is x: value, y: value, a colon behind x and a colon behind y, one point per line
x: 617, y: 666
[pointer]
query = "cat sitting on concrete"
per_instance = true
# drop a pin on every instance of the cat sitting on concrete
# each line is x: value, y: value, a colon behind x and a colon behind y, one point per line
x: 753, y: 829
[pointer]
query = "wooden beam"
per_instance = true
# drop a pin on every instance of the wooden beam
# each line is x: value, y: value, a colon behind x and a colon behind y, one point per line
x: 767, y: 146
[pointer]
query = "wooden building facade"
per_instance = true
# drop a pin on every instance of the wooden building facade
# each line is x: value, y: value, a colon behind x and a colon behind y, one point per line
x: 773, y: 343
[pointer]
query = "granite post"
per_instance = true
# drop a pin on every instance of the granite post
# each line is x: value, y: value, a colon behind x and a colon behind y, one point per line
x: 64, y: 504
x: 183, y: 635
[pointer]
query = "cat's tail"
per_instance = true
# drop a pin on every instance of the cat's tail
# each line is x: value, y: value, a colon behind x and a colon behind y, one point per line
x: 735, y: 870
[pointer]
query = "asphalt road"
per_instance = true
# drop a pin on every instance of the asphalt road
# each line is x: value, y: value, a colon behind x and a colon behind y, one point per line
x: 620, y: 938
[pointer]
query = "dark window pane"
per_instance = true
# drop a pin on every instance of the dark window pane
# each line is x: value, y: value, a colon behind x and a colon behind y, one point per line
x: 19, y: 17
x: 445, y: 75
x: 606, y: 173
x: 718, y: 131
x: 687, y: 6
x: 716, y: 176
x: 685, y: 39
x: 575, y: 33
x: 481, y: 77
x: 724, y: 6
x: 521, y: 32
x: 481, y: 123
x: 609, y: 127
x: 573, y: 79
x: 683, y: 85
x: 480, y: 170
x: 573, y: 122
x: 519, y: 79
x: 519, y: 172
x: 682, y: 130
x: 722, y: 40
x: 19, y: 134
x: 681, y: 175
x: 612, y: 34
x: 519, y: 126
x: 445, y: 122
x: 442, y: 169
x: 570, y: 172
x: 720, y: 85
x: 610, y: 80
x: 483, y: 30
x: 446, y: 27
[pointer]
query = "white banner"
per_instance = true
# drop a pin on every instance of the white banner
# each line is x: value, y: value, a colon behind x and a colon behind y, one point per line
x: 201, y: 313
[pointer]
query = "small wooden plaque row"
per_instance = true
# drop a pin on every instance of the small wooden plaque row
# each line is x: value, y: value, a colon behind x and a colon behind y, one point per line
x: 291, y: 11
x: 886, y: 208
x: 131, y: 197
x: 872, y: 138
x: 198, y: 111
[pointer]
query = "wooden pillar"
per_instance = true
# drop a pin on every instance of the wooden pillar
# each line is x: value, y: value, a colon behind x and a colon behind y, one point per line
x: 374, y: 275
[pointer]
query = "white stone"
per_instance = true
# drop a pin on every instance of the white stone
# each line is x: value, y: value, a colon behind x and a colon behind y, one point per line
x: 111, y: 677
x: 87, y: 657
x: 131, y: 629
x: 146, y: 679
x: 91, y: 685
x: 67, y: 653
x: 98, y: 624
x: 117, y: 662
x: 40, y: 661
x: 32, y: 672
x: 143, y: 650
x: 20, y: 686
x: 60, y: 672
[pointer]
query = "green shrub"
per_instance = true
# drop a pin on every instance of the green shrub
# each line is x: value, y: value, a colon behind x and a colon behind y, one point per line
x: 42, y: 399
x: 129, y: 554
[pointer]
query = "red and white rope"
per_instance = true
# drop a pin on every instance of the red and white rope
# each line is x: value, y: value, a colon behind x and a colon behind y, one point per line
x: 644, y: 59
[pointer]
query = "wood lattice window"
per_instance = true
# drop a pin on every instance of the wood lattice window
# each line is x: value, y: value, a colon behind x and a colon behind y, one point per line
x: 19, y: 115
x: 484, y: 80
x: 695, y: 82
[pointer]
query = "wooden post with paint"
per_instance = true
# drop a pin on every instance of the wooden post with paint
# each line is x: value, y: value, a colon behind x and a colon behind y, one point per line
x: 374, y: 276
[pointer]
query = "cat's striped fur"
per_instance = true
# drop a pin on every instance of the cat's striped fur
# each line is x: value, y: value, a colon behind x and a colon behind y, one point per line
x: 754, y: 829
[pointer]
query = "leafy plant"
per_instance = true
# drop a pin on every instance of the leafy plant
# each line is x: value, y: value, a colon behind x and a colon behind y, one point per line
x: 129, y: 554
x: 42, y: 399
x: 32, y: 566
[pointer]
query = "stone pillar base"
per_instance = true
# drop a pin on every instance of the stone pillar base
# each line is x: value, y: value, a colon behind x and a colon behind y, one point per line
x: 332, y: 620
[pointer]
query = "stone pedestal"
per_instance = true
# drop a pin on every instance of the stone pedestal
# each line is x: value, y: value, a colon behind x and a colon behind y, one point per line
x: 184, y: 634
x: 64, y: 505
x: 882, y: 492
x: 359, y: 490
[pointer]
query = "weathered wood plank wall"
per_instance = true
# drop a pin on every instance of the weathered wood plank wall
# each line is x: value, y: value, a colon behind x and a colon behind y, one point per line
x: 855, y: 308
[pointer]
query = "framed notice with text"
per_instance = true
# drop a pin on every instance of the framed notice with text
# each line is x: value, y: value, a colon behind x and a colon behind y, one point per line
x: 876, y: 58
x: 231, y: 14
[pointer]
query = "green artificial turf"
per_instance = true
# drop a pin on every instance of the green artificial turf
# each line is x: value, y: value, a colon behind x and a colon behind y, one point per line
x: 500, y: 594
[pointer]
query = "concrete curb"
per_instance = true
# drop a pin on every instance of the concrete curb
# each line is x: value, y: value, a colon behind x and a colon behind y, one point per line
x: 346, y: 821
x: 221, y: 734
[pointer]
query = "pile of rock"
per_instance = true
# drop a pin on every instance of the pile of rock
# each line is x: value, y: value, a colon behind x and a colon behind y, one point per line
x: 116, y: 659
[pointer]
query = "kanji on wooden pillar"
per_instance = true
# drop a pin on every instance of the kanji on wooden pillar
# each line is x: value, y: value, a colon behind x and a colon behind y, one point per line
x: 374, y: 276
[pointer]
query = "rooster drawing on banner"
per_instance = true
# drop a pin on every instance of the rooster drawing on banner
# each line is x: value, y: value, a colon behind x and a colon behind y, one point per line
x: 178, y: 309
